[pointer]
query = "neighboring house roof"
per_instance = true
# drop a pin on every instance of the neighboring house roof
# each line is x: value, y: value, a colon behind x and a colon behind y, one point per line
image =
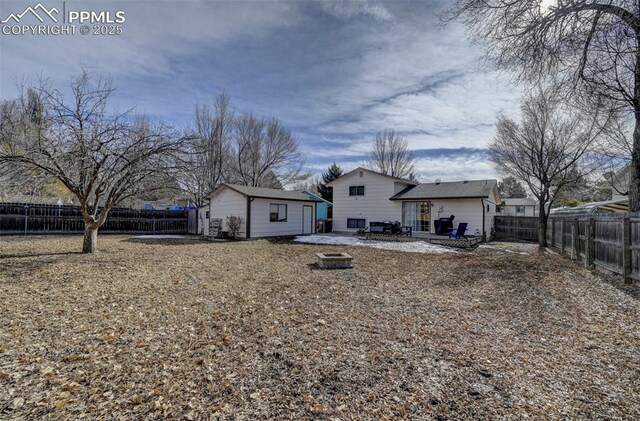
x: 621, y: 179
x: 449, y: 190
x: 520, y: 202
x: 265, y: 193
x: 412, y: 183
x: 620, y: 205
x: 308, y: 193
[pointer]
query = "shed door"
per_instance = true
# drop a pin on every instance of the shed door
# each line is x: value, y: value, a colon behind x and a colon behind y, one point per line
x: 307, y: 219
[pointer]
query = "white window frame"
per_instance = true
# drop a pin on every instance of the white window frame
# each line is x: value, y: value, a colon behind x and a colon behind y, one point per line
x: 279, y: 205
x: 357, y: 227
x: 356, y: 186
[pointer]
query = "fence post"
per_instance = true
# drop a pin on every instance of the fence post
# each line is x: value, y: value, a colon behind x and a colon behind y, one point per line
x: 562, y: 231
x: 153, y: 222
x: 589, y: 243
x: 626, y: 249
x: 26, y: 220
x: 553, y: 232
x: 574, y: 239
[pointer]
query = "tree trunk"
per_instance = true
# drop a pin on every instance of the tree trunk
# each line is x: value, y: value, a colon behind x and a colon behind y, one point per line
x: 634, y: 180
x: 543, y: 218
x: 90, y: 241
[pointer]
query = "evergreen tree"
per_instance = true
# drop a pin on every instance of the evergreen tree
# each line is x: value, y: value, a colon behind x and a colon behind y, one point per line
x: 271, y: 181
x: 510, y: 188
x: 333, y: 172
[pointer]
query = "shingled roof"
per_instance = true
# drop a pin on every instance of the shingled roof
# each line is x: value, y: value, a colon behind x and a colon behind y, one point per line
x: 448, y: 190
x: 265, y: 193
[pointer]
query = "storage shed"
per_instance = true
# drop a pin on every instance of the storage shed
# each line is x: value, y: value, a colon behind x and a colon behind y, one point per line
x: 263, y: 212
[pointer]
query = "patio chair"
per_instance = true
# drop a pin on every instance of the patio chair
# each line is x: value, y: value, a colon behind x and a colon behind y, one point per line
x: 459, y: 233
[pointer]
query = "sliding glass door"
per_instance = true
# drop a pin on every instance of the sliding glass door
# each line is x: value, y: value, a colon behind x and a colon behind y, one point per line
x: 416, y: 215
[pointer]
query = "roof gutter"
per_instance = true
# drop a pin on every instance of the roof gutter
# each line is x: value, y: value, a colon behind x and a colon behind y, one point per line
x: 437, y: 198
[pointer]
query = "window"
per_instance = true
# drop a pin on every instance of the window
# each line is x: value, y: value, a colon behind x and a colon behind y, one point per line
x: 206, y: 215
x: 519, y: 209
x: 355, y: 223
x: 488, y: 208
x: 277, y: 213
x: 356, y: 190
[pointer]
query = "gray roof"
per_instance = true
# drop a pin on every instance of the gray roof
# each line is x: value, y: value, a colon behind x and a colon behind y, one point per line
x: 448, y: 190
x: 619, y: 205
x: 520, y: 202
x: 311, y: 194
x: 265, y: 193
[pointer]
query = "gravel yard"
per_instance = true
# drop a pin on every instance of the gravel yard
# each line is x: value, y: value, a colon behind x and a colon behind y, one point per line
x: 178, y: 328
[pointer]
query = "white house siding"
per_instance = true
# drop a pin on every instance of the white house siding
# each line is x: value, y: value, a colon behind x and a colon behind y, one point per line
x: 262, y: 227
x: 465, y: 210
x: 373, y: 206
x: 510, y: 210
x: 228, y: 202
x: 489, y: 216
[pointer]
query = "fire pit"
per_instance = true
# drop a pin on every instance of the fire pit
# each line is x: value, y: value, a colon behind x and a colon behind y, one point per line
x: 334, y: 260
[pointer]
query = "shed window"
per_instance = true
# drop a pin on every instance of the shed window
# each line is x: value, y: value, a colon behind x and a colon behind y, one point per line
x: 519, y: 209
x: 277, y: 212
x: 355, y: 223
x: 356, y: 190
x: 206, y: 215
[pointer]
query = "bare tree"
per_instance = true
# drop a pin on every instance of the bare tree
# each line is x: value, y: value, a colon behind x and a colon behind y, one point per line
x: 310, y: 184
x: 591, y: 45
x: 614, y: 152
x: 547, y: 150
x: 262, y: 147
x: 101, y: 157
x: 390, y: 155
x: 207, y: 149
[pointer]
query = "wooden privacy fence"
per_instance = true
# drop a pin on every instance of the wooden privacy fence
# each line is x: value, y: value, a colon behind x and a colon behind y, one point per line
x: 608, y: 241
x: 522, y: 227
x: 22, y: 218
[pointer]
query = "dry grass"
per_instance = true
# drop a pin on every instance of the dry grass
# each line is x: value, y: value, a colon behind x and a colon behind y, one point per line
x: 184, y: 329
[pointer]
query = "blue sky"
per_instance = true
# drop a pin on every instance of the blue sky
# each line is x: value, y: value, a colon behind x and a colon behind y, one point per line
x: 334, y: 72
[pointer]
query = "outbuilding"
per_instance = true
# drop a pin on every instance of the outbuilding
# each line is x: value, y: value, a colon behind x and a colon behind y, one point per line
x: 262, y: 212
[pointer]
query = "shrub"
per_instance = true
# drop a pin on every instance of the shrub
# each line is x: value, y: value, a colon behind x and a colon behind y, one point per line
x: 233, y: 226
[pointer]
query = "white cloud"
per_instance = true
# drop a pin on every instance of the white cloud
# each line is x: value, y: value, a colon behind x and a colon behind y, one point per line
x: 336, y: 72
x: 346, y: 10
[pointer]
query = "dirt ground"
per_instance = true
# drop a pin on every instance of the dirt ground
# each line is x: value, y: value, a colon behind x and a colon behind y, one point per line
x: 251, y: 330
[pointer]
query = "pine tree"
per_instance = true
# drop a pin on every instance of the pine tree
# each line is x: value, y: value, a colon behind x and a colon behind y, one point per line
x: 510, y: 188
x: 333, y: 172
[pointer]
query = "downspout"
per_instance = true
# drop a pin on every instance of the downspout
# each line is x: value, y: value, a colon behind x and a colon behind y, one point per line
x: 484, y: 232
x: 248, y: 230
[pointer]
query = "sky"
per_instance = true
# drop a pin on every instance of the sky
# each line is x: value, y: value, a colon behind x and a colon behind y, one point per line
x: 334, y: 72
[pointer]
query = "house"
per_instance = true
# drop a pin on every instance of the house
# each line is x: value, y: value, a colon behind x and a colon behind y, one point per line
x: 620, y: 205
x: 322, y: 208
x: 363, y: 196
x: 619, y: 182
x: 519, y: 207
x: 263, y: 212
